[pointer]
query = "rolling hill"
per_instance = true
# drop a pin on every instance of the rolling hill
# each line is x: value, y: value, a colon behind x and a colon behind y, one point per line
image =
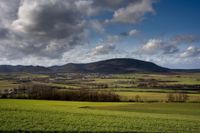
x: 120, y: 65
x: 117, y: 65
x: 19, y: 68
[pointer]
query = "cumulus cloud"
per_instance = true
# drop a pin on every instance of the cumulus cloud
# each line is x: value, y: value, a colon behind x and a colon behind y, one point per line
x: 133, y: 32
x: 57, y: 19
x: 44, y: 28
x: 152, y: 46
x: 107, y: 46
x: 156, y: 46
x: 167, y: 53
x: 103, y: 49
x: 191, y: 51
x: 34, y: 29
x: 134, y: 12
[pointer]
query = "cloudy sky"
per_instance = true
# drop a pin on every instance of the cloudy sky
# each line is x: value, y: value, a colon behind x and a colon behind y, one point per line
x: 56, y: 32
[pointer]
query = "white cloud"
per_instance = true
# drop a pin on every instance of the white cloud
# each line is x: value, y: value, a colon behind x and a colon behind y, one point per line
x: 103, y: 49
x: 152, y: 46
x: 158, y: 46
x: 42, y: 28
x: 191, y: 51
x: 134, y: 12
x: 107, y: 46
x: 166, y: 53
x: 49, y: 29
x: 133, y: 32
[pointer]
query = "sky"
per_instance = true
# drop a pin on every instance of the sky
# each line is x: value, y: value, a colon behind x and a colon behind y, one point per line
x: 56, y: 32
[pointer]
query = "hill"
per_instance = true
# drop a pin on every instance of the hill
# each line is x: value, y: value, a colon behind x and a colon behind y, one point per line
x: 27, y: 69
x: 122, y: 65
x: 118, y: 65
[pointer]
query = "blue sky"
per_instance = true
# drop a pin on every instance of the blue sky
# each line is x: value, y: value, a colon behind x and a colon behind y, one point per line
x: 173, y: 17
x: 57, y: 32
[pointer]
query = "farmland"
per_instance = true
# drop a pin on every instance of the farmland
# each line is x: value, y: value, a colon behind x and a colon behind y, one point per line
x: 150, y: 87
x: 33, y: 115
x: 148, y: 102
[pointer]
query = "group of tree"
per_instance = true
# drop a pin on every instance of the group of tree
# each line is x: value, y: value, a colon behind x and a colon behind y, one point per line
x: 44, y: 92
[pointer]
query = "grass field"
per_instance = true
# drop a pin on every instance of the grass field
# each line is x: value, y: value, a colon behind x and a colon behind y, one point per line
x: 33, y: 115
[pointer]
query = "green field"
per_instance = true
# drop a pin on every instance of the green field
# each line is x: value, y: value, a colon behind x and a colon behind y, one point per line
x: 33, y: 115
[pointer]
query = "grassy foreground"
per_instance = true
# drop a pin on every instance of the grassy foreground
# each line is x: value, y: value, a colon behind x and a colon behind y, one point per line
x: 55, y: 116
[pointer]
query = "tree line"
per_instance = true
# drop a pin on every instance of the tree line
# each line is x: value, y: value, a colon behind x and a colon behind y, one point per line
x: 44, y: 92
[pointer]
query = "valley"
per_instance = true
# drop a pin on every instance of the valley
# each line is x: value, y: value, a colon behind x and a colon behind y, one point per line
x: 148, y: 87
x: 135, y: 101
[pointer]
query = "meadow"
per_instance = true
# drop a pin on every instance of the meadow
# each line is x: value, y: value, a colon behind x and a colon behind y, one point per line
x: 62, y: 116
